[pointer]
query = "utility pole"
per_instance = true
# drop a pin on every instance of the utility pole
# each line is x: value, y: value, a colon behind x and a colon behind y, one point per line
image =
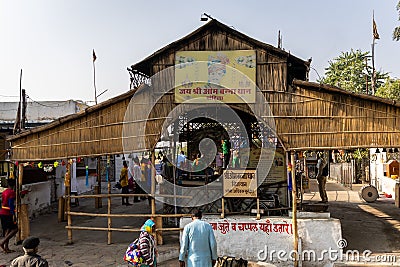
x: 366, y: 77
x: 279, y: 40
x: 373, y: 68
x: 375, y: 35
x: 23, y: 109
x: 94, y: 77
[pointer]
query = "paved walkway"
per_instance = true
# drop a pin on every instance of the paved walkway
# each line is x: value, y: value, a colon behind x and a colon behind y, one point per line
x: 336, y: 192
x: 373, y: 227
x: 90, y: 247
x: 365, y: 226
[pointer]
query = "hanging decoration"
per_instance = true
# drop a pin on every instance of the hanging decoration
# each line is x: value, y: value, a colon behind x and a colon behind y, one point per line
x: 87, y: 176
x: 40, y: 165
x: 55, y: 164
x: 11, y: 172
x: 107, y: 167
x: 48, y: 168
x: 63, y: 163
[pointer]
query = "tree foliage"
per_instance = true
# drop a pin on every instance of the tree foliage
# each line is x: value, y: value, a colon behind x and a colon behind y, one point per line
x: 396, y: 32
x: 391, y: 89
x: 351, y: 71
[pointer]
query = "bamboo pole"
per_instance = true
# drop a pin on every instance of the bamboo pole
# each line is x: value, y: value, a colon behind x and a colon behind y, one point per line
x: 61, y: 206
x: 18, y: 199
x: 118, y: 229
x: 122, y: 195
x: 75, y: 213
x: 81, y: 142
x: 294, y: 208
x: 109, y: 221
x: 153, y: 186
x: 174, y: 161
x: 68, y: 193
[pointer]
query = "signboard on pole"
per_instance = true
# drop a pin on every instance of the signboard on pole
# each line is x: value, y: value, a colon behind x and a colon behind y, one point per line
x: 240, y: 183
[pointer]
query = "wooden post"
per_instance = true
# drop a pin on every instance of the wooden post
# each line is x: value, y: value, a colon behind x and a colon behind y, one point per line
x: 24, y: 221
x: 258, y: 209
x: 18, y: 188
x: 109, y: 222
x: 159, y: 237
x: 61, y: 209
x: 158, y: 220
x: 294, y: 208
x: 68, y: 194
x: 153, y: 185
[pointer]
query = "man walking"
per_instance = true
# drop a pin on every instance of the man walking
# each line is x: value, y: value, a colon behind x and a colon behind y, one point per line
x: 198, y: 243
x: 7, y: 212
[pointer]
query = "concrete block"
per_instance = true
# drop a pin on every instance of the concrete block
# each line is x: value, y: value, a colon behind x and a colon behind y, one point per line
x: 311, y: 215
x: 270, y: 240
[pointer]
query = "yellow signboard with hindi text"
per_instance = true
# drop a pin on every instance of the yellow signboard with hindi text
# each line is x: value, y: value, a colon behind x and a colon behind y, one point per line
x: 215, y: 76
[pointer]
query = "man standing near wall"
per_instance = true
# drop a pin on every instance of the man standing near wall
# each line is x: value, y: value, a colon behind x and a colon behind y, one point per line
x: 322, y: 175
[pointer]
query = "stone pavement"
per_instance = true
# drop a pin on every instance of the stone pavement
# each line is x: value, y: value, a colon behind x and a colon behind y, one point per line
x: 365, y: 226
x: 336, y: 192
x: 90, y: 248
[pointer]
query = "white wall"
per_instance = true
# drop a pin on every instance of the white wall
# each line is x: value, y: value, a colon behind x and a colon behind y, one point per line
x: 255, y: 244
x: 381, y: 182
x: 43, y: 111
x: 38, y: 198
x: 388, y: 186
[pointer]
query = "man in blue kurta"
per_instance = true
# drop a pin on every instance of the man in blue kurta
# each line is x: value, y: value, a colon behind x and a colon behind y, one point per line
x: 198, y: 243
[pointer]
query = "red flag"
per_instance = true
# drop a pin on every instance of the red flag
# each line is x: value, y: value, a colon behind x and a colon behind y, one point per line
x: 94, y: 56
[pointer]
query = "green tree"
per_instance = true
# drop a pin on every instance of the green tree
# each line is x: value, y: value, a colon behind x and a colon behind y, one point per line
x: 396, y: 32
x: 391, y: 89
x: 351, y: 71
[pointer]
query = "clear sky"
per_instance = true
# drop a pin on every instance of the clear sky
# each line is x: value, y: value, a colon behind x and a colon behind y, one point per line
x: 52, y: 40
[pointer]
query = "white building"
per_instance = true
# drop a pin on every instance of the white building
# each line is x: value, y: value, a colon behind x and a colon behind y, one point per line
x: 44, y: 188
x: 380, y: 178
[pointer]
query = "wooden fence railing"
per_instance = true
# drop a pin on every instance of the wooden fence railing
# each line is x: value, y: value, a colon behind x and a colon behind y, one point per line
x: 109, y: 229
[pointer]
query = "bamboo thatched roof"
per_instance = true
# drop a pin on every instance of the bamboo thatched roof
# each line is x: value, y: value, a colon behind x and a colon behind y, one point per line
x: 146, y: 65
x: 307, y: 115
x: 318, y: 116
